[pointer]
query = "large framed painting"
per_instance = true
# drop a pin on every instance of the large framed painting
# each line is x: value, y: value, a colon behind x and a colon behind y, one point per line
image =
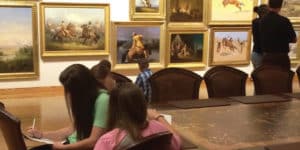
x: 191, y: 13
x: 230, y: 45
x: 231, y: 12
x: 147, y: 9
x: 294, y: 53
x: 18, y: 41
x: 135, y: 40
x: 290, y: 9
x: 187, y: 48
x: 74, y: 29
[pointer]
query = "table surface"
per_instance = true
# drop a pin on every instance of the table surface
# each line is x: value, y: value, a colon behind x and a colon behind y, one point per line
x: 226, y: 127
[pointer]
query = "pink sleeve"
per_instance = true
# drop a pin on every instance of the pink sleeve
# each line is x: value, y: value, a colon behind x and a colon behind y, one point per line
x: 176, y: 142
x: 103, y: 143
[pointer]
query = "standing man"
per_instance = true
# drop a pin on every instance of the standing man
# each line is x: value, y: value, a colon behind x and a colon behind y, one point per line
x: 276, y: 34
x: 142, y: 79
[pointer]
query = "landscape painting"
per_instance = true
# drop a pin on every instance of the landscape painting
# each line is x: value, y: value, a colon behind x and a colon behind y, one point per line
x: 18, y: 47
x: 69, y: 30
x: 230, y: 47
x: 231, y: 11
x: 186, y: 48
x: 147, y: 6
x: 186, y: 11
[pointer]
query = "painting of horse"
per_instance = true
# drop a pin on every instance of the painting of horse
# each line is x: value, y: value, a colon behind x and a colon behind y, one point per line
x: 230, y: 45
x: 228, y: 11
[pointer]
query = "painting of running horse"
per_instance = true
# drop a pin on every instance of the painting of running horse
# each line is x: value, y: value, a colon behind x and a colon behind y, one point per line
x: 73, y: 28
x: 231, y: 11
x: 230, y: 45
x: 18, y: 41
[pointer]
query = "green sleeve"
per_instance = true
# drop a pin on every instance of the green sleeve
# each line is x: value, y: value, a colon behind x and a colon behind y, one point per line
x: 101, y: 110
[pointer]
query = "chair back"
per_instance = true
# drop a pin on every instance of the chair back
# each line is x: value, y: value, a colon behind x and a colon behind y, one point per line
x: 11, y: 130
x: 119, y: 78
x: 174, y: 84
x: 224, y: 81
x: 272, y: 80
x: 159, y: 141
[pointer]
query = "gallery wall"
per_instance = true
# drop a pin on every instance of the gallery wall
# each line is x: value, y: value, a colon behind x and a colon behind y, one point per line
x: 50, y: 69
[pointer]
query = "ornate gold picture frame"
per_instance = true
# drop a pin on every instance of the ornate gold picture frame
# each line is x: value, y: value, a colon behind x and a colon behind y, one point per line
x: 231, y: 12
x: 74, y: 29
x: 134, y: 40
x: 230, y: 46
x: 290, y: 9
x: 147, y: 9
x: 294, y: 53
x: 188, y: 13
x: 187, y: 48
x: 18, y: 44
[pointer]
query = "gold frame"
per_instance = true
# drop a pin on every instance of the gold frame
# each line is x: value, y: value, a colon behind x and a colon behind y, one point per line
x: 142, y: 16
x: 132, y: 68
x: 228, y: 29
x: 229, y: 22
x: 292, y: 19
x: 189, y: 65
x: 296, y: 61
x: 197, y: 25
x: 35, y: 73
x: 67, y: 53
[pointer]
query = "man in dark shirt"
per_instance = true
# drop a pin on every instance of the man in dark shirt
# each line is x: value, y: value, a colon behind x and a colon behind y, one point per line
x: 276, y: 34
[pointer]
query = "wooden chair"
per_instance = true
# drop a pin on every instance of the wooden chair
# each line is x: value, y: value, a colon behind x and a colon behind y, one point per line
x: 224, y: 81
x: 119, y: 78
x: 174, y: 84
x: 11, y: 130
x: 272, y: 80
x: 159, y: 141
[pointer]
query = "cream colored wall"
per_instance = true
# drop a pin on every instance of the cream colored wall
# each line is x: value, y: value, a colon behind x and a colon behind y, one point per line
x: 50, y: 69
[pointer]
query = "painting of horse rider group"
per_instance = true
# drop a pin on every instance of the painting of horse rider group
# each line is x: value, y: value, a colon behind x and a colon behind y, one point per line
x: 134, y: 43
x: 186, y: 48
x: 147, y: 6
x: 74, y: 29
x: 290, y: 8
x: 235, y: 10
x: 186, y: 11
x: 230, y: 45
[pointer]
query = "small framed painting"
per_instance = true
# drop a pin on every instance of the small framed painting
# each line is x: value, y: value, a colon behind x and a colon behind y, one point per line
x: 74, y: 29
x: 187, y: 48
x: 191, y: 13
x: 231, y: 12
x: 135, y: 40
x: 18, y: 44
x: 230, y: 45
x: 147, y: 9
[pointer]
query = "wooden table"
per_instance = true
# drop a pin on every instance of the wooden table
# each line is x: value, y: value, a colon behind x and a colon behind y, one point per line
x: 227, y: 127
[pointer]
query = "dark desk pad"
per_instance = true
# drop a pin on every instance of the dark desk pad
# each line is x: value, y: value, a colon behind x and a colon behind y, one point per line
x: 289, y: 146
x: 259, y: 99
x: 199, y: 103
x: 293, y: 95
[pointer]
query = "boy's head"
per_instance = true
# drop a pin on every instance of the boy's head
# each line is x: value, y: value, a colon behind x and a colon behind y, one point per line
x: 275, y: 3
x: 143, y: 64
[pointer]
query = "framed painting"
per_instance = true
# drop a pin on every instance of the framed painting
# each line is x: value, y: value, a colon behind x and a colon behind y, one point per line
x: 231, y: 12
x: 18, y: 41
x: 230, y: 45
x: 290, y: 9
x: 147, y: 9
x: 134, y: 40
x: 294, y: 53
x: 191, y: 13
x: 187, y: 48
x: 74, y: 29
